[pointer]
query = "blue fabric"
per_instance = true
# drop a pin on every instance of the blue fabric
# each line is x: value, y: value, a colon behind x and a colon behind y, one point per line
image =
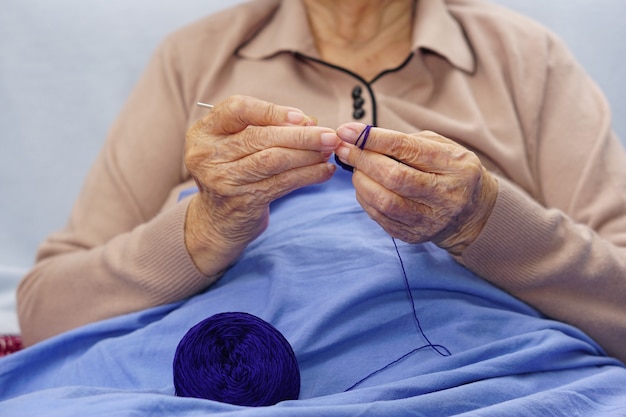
x: 329, y: 279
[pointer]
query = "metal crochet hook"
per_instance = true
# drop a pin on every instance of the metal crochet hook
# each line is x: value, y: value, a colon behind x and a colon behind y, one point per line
x: 201, y: 104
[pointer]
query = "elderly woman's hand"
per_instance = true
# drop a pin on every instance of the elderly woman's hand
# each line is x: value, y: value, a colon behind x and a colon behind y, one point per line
x: 420, y: 187
x: 244, y: 154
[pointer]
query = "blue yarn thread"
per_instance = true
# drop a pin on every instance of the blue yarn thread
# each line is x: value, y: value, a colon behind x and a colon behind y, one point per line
x: 360, y: 142
x: 236, y: 358
x: 363, y: 136
x: 440, y: 349
x: 444, y: 351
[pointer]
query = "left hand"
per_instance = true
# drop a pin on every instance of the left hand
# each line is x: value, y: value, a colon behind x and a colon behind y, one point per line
x: 420, y: 187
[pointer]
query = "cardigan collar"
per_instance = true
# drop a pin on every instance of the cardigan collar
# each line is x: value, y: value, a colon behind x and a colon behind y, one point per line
x: 435, y: 30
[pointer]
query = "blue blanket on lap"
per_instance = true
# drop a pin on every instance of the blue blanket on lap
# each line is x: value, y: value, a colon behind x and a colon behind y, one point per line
x: 330, y: 280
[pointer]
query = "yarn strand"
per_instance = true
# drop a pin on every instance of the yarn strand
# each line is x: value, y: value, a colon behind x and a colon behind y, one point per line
x: 363, y: 136
x: 440, y: 349
x: 445, y: 351
x: 360, y: 143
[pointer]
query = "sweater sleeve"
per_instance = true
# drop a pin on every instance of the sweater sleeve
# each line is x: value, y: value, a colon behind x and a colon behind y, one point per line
x: 564, y: 250
x: 121, y: 249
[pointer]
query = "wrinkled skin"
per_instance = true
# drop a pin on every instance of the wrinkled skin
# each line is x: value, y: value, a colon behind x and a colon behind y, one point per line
x: 420, y: 187
x: 245, y: 153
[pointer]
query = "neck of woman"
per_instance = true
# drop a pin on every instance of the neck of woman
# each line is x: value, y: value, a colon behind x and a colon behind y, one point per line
x: 363, y: 36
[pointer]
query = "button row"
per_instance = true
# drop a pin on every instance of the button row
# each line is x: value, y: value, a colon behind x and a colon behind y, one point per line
x: 357, y: 103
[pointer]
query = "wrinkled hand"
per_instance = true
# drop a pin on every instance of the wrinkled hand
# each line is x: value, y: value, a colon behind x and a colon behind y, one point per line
x: 432, y: 190
x: 244, y: 154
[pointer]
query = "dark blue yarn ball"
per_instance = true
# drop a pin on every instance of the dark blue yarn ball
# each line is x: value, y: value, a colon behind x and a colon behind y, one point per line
x: 236, y: 358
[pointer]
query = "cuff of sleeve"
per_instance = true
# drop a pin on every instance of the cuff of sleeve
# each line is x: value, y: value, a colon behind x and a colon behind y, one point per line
x: 166, y: 270
x: 514, y: 241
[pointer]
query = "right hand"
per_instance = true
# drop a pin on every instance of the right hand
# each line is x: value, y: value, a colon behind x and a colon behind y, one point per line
x: 244, y: 154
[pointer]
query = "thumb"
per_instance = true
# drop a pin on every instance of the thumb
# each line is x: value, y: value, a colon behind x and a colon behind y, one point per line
x: 238, y: 112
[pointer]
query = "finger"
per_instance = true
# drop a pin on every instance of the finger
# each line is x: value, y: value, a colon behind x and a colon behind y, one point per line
x: 407, y: 220
x: 273, y: 161
x: 392, y: 175
x: 412, y: 220
x: 254, y: 139
x: 393, y: 227
x: 282, y: 184
x: 312, y: 138
x: 425, y: 150
x: 390, y: 204
x: 238, y: 112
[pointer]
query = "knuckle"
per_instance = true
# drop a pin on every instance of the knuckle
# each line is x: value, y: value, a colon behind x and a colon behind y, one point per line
x: 261, y: 193
x: 398, y: 176
x: 271, y: 112
x: 302, y: 137
x: 436, y: 137
x: 220, y: 179
x: 399, y: 147
x: 250, y: 138
x: 235, y: 103
x: 192, y: 162
x: 429, y: 134
x: 390, y: 204
x: 275, y: 186
x: 257, y: 167
x: 269, y: 161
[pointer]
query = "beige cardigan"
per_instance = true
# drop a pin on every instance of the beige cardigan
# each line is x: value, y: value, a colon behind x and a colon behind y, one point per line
x: 483, y: 76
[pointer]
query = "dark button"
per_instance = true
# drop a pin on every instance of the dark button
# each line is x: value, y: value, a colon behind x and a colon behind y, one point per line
x: 358, y: 103
x: 356, y: 92
x: 358, y: 113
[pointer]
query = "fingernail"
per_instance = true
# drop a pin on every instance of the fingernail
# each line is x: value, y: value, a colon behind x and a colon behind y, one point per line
x: 329, y: 140
x: 342, y: 152
x: 347, y: 134
x: 312, y: 121
x: 331, y: 167
x: 295, y: 117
